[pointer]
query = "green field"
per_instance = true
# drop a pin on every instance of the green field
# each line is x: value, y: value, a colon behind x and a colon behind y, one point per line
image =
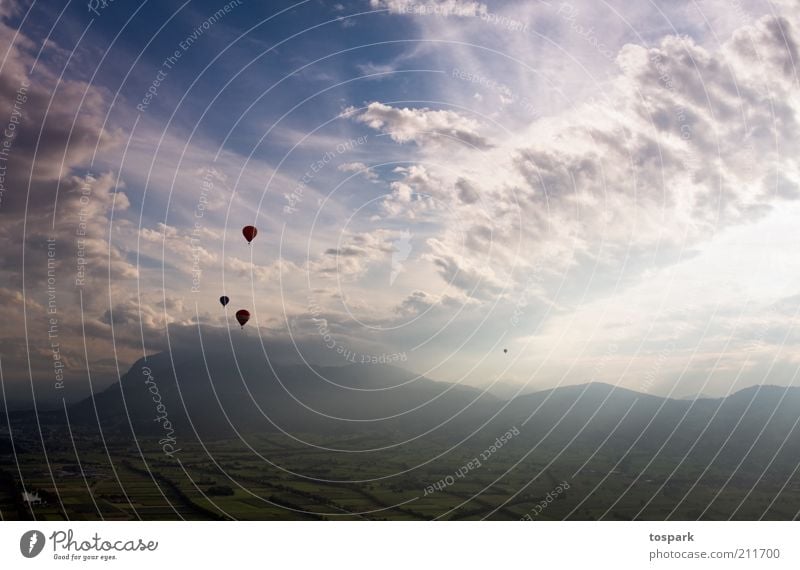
x: 274, y: 477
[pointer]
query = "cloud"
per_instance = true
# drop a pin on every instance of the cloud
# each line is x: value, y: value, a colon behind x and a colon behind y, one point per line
x: 684, y: 141
x: 57, y: 120
x: 467, y: 192
x: 186, y: 249
x: 354, y: 254
x: 420, y: 302
x: 360, y: 168
x: 416, y: 195
x: 465, y: 272
x: 270, y: 273
x: 460, y: 8
x: 422, y: 126
x: 55, y: 218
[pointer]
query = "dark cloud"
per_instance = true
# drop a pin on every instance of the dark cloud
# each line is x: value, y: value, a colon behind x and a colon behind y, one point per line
x: 467, y: 192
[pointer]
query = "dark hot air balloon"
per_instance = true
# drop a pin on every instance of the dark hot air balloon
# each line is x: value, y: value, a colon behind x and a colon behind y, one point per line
x: 249, y: 233
x: 242, y: 316
x: 505, y: 351
x: 224, y: 300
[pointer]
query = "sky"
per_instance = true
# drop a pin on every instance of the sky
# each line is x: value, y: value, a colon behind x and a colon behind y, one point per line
x: 606, y: 190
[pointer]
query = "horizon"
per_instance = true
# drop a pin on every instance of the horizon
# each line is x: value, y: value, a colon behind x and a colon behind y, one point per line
x: 501, y: 390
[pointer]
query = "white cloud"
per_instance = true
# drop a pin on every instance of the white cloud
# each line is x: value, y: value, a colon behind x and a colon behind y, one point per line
x: 360, y: 168
x: 460, y: 8
x: 422, y: 126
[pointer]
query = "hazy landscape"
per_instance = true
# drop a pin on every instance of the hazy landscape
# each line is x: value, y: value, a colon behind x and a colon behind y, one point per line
x: 385, y: 444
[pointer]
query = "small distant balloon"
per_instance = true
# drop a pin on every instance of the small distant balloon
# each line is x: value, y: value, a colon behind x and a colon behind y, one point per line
x: 505, y: 351
x: 242, y: 316
x: 249, y: 233
x: 224, y: 300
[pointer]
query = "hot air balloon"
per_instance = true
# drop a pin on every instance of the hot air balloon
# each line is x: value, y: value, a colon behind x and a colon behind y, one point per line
x: 224, y: 300
x: 242, y: 316
x: 249, y: 233
x: 505, y: 351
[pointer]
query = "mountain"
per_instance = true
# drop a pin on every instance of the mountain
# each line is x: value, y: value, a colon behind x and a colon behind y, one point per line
x: 625, y: 454
x: 746, y: 430
x: 508, y: 390
x: 698, y: 396
x: 219, y: 393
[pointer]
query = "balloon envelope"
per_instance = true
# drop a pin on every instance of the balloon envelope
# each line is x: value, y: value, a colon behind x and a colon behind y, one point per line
x: 249, y: 233
x: 242, y: 316
x: 505, y: 351
x: 224, y: 300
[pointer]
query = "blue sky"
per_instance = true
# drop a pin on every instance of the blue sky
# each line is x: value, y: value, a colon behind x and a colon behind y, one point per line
x: 607, y: 191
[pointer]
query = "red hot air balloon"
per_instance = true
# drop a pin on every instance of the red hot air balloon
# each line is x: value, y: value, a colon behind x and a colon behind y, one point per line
x: 224, y: 300
x: 249, y: 233
x: 242, y: 316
